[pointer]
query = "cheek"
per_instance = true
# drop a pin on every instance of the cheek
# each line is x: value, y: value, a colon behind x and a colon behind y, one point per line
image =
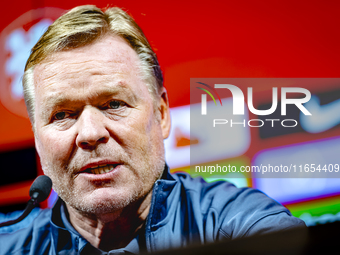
x: 143, y: 132
x: 134, y: 129
x: 55, y: 146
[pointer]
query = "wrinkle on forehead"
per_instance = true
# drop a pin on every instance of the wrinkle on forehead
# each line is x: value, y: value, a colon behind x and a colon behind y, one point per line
x: 61, y: 65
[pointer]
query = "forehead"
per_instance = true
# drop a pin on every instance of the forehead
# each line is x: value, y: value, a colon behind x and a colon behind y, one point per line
x: 108, y: 61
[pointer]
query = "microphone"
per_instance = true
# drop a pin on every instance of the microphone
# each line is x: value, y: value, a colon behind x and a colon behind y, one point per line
x: 39, y: 191
x: 41, y: 188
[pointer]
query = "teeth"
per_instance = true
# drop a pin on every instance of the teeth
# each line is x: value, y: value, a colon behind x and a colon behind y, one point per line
x: 101, y: 169
x: 106, y: 169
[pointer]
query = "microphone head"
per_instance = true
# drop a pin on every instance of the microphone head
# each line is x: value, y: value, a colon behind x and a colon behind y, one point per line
x: 43, y: 185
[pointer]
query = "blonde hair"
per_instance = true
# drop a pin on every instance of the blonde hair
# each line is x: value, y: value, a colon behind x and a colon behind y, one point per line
x: 82, y: 26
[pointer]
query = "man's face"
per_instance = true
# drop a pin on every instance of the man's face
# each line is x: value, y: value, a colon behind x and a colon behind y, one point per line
x: 97, y: 133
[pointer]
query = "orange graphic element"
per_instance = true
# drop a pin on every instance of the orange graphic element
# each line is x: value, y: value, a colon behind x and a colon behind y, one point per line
x: 182, y: 140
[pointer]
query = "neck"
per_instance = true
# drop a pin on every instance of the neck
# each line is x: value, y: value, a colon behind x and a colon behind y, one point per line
x: 112, y: 230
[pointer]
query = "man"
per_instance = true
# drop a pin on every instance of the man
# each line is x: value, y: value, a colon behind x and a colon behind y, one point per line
x: 99, y: 111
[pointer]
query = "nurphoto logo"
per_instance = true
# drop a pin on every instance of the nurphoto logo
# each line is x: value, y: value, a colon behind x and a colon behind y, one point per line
x: 239, y: 109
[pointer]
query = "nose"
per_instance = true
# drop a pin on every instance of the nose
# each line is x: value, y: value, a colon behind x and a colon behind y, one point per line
x: 91, y: 129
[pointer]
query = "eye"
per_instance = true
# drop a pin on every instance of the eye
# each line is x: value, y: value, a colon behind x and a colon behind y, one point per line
x: 116, y: 104
x: 60, y: 115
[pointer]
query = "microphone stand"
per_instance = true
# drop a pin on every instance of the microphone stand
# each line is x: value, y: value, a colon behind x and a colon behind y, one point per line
x: 30, y: 205
x: 39, y: 191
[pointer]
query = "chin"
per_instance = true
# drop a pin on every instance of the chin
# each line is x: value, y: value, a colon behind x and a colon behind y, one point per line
x: 103, y: 201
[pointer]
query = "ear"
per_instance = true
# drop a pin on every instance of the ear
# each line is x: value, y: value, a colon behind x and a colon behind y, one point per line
x: 37, y: 145
x: 164, y: 110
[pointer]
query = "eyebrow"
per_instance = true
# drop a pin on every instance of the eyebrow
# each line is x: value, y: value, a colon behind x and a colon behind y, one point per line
x: 55, y: 101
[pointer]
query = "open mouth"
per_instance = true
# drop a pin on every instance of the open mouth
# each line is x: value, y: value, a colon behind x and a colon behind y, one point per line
x: 101, y: 169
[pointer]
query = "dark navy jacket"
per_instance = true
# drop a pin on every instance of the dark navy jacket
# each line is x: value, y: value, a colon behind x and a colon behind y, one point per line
x: 183, y: 211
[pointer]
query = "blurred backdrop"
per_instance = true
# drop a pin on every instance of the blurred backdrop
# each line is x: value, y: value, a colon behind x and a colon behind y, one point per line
x: 200, y: 39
